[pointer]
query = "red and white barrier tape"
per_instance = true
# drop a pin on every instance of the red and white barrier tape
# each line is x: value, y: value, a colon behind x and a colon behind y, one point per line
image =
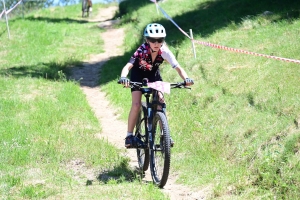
x: 1, y: 13
x: 224, y: 47
x: 13, y: 7
x: 245, y: 52
x: 8, y: 11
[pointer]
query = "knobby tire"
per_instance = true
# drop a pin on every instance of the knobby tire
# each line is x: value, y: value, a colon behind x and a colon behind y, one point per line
x: 160, y: 155
x: 140, y: 132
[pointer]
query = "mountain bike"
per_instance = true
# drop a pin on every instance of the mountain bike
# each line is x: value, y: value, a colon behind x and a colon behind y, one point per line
x: 152, y: 134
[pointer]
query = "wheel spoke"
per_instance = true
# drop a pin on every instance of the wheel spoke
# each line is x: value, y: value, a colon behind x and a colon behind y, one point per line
x: 160, y: 154
x: 140, y: 132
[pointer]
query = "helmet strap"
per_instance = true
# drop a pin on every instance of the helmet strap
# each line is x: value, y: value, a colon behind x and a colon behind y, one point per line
x: 152, y: 50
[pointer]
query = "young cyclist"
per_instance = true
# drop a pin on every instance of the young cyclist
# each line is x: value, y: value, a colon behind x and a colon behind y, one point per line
x: 144, y: 63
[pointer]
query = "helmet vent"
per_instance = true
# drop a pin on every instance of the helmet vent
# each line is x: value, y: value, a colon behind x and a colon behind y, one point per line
x: 155, y: 30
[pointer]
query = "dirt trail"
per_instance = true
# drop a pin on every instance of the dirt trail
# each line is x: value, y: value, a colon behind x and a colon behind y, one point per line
x: 89, y: 79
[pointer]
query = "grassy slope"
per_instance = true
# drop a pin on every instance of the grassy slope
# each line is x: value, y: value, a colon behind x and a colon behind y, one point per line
x: 238, y: 127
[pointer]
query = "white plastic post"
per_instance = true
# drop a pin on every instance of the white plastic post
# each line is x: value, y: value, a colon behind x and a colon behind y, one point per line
x: 7, y: 27
x: 192, y: 39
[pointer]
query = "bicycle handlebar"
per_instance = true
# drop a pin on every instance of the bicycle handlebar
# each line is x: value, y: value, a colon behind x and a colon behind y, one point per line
x: 173, y: 85
x: 179, y: 85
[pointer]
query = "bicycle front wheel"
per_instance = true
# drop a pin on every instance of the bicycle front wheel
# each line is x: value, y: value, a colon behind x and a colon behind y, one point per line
x: 140, y: 132
x: 160, y: 155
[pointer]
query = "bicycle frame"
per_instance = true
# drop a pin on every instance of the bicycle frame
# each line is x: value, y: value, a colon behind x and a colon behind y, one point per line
x: 152, y: 102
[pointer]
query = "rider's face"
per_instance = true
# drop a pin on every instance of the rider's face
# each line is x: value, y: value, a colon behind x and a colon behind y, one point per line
x: 155, y: 43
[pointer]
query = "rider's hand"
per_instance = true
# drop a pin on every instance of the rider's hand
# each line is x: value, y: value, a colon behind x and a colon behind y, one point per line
x: 188, y: 81
x: 124, y: 81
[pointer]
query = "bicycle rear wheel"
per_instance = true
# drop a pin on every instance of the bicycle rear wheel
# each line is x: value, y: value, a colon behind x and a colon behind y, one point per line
x: 140, y: 132
x: 160, y: 155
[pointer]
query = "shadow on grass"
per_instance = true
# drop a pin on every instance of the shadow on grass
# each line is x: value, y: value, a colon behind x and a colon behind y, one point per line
x: 56, y: 20
x: 211, y: 16
x: 130, y: 6
x: 119, y: 174
x: 65, y: 20
x: 51, y: 70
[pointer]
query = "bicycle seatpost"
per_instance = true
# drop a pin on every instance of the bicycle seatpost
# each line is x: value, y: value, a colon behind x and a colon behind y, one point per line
x: 145, y: 82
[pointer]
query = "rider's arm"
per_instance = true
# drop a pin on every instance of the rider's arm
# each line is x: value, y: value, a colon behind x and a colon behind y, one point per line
x: 169, y: 56
x: 181, y: 72
x: 184, y: 76
x: 132, y: 60
x: 126, y: 69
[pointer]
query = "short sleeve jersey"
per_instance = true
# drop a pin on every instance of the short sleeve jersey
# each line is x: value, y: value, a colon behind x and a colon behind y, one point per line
x: 143, y: 67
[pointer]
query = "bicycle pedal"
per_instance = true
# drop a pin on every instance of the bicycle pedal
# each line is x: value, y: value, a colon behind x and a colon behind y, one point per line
x: 136, y: 143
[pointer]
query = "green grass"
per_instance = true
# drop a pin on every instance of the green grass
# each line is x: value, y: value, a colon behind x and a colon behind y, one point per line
x: 49, y: 144
x: 236, y: 131
x: 46, y: 126
x: 47, y: 41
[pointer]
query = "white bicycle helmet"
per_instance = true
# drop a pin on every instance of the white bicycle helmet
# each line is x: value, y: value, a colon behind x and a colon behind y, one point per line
x: 155, y: 30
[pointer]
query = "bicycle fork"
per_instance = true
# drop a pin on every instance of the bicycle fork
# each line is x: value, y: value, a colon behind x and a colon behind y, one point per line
x: 149, y: 126
x: 150, y: 117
